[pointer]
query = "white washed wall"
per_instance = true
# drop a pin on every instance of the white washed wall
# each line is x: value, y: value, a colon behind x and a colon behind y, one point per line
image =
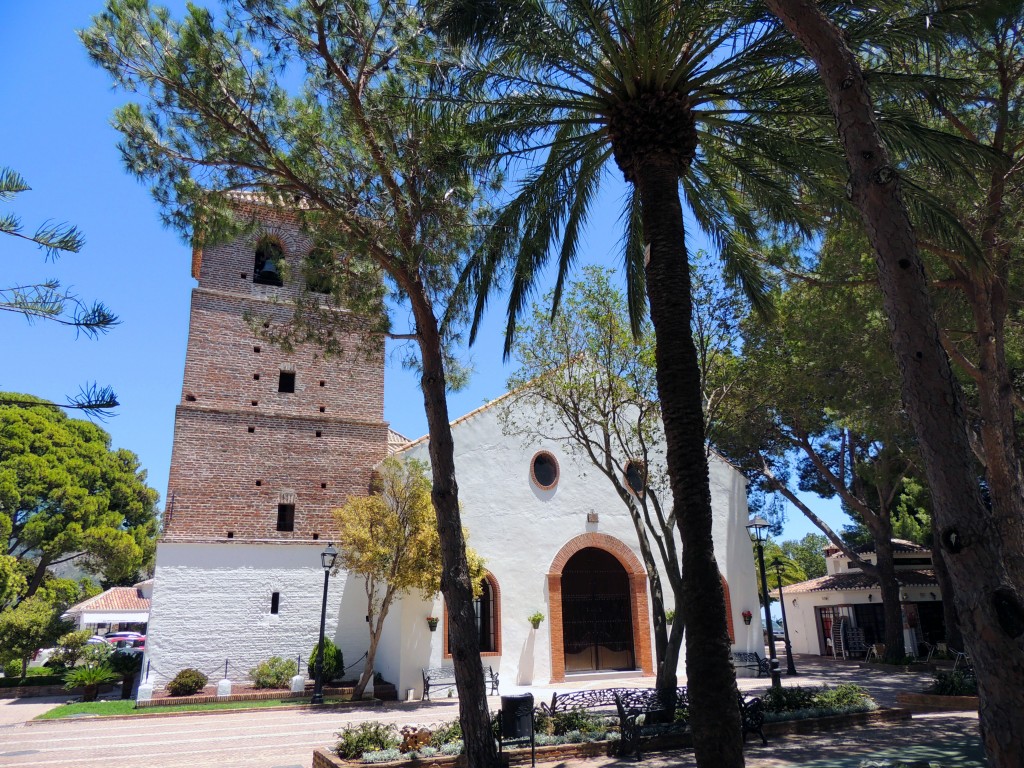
x: 519, y: 529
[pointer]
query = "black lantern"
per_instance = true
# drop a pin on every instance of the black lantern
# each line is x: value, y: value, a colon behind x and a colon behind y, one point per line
x: 758, y: 528
x: 327, y: 558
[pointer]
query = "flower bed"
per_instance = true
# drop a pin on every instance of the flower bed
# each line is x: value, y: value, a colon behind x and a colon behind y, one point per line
x: 381, y: 691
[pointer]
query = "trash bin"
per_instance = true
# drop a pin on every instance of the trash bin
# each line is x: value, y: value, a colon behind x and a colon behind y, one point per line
x: 517, y: 716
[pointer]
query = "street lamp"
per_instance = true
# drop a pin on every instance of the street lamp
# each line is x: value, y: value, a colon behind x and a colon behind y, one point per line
x: 327, y: 558
x: 778, y: 565
x: 758, y: 528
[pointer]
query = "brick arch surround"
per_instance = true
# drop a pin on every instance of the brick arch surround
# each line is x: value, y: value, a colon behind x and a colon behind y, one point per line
x: 637, y: 599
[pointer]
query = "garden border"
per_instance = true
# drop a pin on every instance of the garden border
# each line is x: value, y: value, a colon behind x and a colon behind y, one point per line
x: 933, y: 702
x: 323, y: 758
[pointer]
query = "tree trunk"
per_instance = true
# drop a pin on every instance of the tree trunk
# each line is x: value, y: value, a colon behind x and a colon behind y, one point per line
x: 127, y: 684
x: 953, y: 637
x: 891, y: 604
x: 456, y: 586
x: 710, y: 678
x: 978, y: 546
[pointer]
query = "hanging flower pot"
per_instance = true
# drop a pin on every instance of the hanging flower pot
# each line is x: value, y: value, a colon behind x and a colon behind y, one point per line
x: 535, y: 619
x: 432, y: 623
x: 747, y: 616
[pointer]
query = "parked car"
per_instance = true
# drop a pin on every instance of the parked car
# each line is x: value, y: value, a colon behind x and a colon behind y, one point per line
x: 113, y: 637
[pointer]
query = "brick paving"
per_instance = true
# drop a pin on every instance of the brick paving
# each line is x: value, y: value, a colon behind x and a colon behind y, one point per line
x: 286, y: 738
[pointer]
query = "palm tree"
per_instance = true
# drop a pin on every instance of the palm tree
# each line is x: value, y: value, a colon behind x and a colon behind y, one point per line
x: 696, y: 103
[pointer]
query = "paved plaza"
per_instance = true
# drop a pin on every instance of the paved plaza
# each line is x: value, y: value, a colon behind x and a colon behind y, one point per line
x: 286, y: 738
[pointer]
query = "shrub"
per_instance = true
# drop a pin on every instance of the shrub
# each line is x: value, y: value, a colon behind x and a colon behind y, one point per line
x: 446, y: 733
x: 577, y: 720
x: 955, y: 684
x: 452, y: 748
x: 12, y: 668
x: 187, y: 682
x: 788, y: 698
x: 70, y: 648
x: 333, y: 662
x: 382, y: 756
x: 275, y: 672
x: 371, y: 736
x: 841, y: 697
x: 89, y: 677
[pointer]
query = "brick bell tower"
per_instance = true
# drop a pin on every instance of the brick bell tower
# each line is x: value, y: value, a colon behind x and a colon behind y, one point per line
x: 266, y: 442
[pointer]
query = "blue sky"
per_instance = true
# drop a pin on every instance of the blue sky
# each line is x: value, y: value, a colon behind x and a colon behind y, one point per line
x: 57, y: 134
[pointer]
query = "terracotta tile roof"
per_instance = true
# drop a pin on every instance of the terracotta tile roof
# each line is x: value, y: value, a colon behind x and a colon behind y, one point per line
x: 396, y: 441
x: 114, y: 599
x: 858, y: 580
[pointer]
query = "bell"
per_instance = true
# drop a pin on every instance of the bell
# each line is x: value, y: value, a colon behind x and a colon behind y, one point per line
x: 269, y: 273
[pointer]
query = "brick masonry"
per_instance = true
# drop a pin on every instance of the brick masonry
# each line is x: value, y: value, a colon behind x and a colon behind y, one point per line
x: 241, y: 447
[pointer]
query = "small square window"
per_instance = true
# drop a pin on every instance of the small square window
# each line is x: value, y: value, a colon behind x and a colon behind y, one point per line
x: 255, y: 377
x: 255, y: 402
x: 275, y: 602
x: 251, y: 430
x: 323, y: 383
x: 316, y: 537
x: 319, y: 433
x: 231, y: 534
x: 323, y: 485
x: 256, y: 350
x: 259, y: 483
x: 323, y: 409
x: 286, y: 381
x: 286, y: 517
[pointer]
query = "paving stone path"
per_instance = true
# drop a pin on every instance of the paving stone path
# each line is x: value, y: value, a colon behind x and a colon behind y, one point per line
x: 286, y: 739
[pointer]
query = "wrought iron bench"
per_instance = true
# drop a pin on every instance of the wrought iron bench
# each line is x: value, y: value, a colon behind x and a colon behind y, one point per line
x: 650, y: 712
x: 445, y: 676
x: 596, y: 700
x: 752, y: 660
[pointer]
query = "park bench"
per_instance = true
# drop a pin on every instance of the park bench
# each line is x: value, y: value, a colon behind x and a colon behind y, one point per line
x: 751, y: 660
x: 597, y: 700
x: 439, y: 677
x: 650, y: 712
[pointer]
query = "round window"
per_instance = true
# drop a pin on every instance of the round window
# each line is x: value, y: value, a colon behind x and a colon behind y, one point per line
x: 636, y: 476
x: 544, y: 470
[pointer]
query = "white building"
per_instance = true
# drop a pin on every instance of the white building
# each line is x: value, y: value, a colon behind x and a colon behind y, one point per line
x: 841, y: 612
x: 267, y: 441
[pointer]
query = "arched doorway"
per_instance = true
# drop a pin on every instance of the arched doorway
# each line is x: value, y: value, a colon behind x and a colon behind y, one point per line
x: 597, y: 625
x: 561, y: 575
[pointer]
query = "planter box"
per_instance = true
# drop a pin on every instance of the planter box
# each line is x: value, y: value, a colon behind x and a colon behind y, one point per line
x: 383, y: 692
x: 930, y: 702
x: 323, y: 758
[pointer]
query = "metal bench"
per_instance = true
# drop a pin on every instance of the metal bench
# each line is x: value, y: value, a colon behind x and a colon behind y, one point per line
x: 445, y: 676
x: 651, y: 712
x: 596, y: 700
x: 752, y: 660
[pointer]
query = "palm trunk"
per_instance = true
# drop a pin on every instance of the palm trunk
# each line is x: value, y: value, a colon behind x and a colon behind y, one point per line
x: 978, y: 546
x: 710, y: 678
x: 456, y: 586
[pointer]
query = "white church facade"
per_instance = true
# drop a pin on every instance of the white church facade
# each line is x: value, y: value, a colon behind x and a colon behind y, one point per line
x: 268, y: 442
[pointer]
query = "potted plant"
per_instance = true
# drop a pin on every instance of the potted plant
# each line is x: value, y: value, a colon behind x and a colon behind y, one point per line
x: 536, y: 618
x: 747, y: 616
x: 432, y: 623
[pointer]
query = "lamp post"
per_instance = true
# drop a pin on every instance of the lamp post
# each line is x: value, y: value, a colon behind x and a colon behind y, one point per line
x: 758, y: 528
x: 327, y: 558
x: 777, y: 564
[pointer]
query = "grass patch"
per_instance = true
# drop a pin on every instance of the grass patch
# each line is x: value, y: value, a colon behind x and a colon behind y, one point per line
x: 121, y: 708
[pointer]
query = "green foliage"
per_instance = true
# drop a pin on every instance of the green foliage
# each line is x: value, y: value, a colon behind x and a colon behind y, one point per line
x: 333, y: 661
x: 580, y: 720
x: 794, y: 698
x: 89, y: 676
x: 371, y: 736
x: 66, y: 495
x: 33, y: 624
x: 275, y: 672
x: 535, y: 618
x: 808, y: 554
x: 125, y: 663
x: 187, y: 682
x: 446, y: 733
x: 12, y: 669
x: 69, y: 648
x: 955, y: 683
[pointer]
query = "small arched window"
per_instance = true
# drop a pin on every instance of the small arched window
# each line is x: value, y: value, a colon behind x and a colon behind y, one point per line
x: 487, y: 609
x: 269, y: 260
